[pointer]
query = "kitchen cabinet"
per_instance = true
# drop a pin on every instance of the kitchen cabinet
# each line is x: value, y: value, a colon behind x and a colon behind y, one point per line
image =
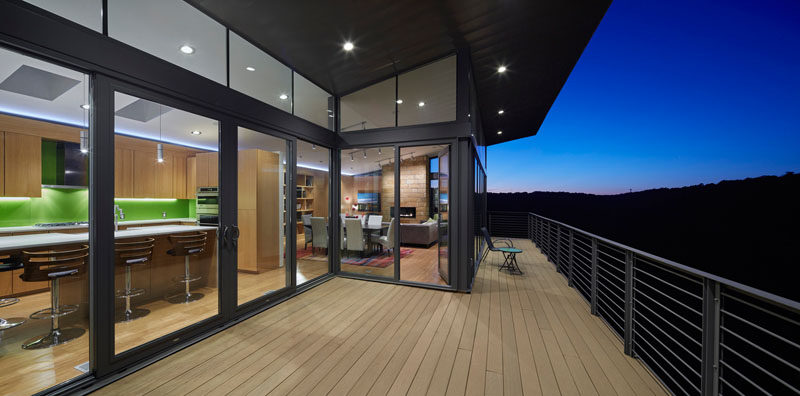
x: 123, y: 173
x: 191, y: 177
x: 259, y: 211
x: 2, y: 164
x: 22, y: 171
x: 165, y: 176
x: 19, y: 286
x: 179, y: 176
x: 144, y: 174
x: 5, y: 283
x: 207, y: 170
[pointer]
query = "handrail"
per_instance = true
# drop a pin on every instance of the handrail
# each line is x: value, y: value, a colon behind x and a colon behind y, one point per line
x: 756, y: 350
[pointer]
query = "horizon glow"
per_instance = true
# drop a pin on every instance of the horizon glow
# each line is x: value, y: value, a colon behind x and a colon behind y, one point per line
x: 668, y: 95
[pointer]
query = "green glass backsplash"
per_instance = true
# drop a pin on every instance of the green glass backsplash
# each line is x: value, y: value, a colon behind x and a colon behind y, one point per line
x: 62, y: 205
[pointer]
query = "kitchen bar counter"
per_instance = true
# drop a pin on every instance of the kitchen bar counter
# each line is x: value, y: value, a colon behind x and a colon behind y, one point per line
x: 126, y: 223
x: 53, y: 238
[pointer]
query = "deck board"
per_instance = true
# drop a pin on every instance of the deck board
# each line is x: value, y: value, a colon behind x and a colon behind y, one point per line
x: 513, y: 335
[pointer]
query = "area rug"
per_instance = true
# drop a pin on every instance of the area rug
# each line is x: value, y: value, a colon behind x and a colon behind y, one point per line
x: 381, y: 261
x: 308, y: 254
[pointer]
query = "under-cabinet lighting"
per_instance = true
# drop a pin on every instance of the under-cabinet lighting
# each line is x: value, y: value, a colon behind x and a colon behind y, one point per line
x: 147, y: 199
x: 14, y: 198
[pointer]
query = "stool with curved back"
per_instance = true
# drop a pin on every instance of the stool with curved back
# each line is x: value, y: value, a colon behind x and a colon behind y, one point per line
x: 185, y: 246
x: 128, y: 254
x: 52, y: 266
x: 9, y: 263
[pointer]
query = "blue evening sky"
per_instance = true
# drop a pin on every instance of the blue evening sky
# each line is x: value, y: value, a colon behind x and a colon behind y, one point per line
x: 669, y: 94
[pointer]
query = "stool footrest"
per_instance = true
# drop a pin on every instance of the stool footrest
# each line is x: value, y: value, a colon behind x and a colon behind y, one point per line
x: 185, y: 279
x: 4, y: 302
x: 49, y: 313
x: 135, y: 292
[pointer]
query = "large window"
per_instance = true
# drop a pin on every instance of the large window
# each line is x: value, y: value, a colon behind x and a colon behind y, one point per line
x: 313, y: 103
x: 172, y: 30
x: 44, y: 224
x: 261, y: 258
x: 367, y: 218
x: 166, y: 209
x: 255, y: 73
x: 371, y: 107
x: 427, y: 94
x: 311, y: 190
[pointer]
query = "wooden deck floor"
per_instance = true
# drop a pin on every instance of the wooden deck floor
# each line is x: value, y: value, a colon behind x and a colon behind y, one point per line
x: 512, y: 335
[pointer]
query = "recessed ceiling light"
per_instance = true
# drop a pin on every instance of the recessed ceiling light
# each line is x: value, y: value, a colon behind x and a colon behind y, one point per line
x: 284, y: 96
x: 195, y: 132
x: 501, y: 69
x: 250, y: 68
x: 187, y: 49
x: 348, y: 46
x: 499, y: 132
x: 85, y: 106
x: 420, y: 104
x: 399, y: 101
x: 501, y: 111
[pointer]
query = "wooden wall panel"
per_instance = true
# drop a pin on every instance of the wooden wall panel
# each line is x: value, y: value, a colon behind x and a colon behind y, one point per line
x: 123, y: 173
x: 144, y: 174
x: 23, y: 165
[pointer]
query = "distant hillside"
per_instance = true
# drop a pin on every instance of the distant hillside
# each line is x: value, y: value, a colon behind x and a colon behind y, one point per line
x: 745, y: 230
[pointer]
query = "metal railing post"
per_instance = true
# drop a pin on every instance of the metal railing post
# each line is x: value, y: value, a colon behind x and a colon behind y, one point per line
x: 571, y: 260
x: 558, y: 249
x: 594, y: 277
x: 628, y: 302
x: 709, y: 372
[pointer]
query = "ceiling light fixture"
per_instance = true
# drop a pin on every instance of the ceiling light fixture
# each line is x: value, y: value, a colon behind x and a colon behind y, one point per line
x: 365, y: 154
x: 399, y: 101
x: 499, y: 132
x: 379, y: 151
x: 501, y: 111
x: 284, y: 96
x: 313, y: 146
x: 85, y: 106
x: 187, y: 49
x: 84, y: 142
x: 195, y: 132
x: 351, y: 157
x: 421, y: 104
x: 501, y: 69
x: 160, y: 153
x: 348, y: 46
x: 250, y: 68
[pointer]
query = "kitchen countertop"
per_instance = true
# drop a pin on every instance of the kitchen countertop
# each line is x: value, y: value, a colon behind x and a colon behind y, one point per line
x: 17, y: 242
x: 6, y: 230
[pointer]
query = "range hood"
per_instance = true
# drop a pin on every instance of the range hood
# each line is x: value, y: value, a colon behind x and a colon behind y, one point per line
x: 64, y: 165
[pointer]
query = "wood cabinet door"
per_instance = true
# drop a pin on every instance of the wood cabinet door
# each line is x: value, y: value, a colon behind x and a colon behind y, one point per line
x: 123, y: 173
x: 246, y: 249
x: 247, y: 182
x: 144, y: 174
x: 165, y: 176
x: 201, y: 170
x: 179, y: 176
x: 23, y: 165
x: 5, y: 283
x: 191, y: 177
x: 213, y: 170
x: 2, y: 163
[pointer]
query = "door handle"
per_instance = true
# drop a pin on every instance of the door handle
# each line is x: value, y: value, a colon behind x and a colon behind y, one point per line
x: 235, y: 236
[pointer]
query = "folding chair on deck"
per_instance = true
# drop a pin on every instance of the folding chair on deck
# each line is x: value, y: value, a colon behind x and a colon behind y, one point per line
x: 509, y: 252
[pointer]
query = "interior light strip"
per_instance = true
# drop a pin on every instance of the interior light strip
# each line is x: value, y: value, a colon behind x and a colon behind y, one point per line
x: 14, y: 198
x: 147, y: 199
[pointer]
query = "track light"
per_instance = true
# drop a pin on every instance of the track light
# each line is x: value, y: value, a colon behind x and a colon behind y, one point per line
x: 365, y: 154
x: 351, y: 157
x: 379, y: 151
x: 313, y: 146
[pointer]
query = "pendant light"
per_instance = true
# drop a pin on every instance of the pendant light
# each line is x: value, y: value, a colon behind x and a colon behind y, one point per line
x: 84, y: 142
x: 160, y: 147
x: 84, y: 139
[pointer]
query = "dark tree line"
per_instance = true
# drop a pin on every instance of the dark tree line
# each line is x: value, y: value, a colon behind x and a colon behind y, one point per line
x: 745, y: 230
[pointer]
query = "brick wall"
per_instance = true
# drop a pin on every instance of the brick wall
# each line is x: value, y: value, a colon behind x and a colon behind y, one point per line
x: 414, y: 188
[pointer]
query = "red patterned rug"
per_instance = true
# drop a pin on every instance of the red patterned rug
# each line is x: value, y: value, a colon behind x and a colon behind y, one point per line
x: 308, y: 254
x: 381, y: 261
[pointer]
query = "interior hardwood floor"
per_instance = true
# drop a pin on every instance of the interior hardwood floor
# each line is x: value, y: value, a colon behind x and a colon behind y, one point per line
x: 28, y: 371
x: 514, y: 334
x: 421, y: 265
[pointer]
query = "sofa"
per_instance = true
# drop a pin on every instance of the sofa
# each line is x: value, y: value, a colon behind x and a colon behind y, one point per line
x: 419, y: 234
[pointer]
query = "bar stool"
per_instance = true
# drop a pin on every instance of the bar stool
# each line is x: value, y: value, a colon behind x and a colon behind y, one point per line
x: 52, y: 266
x: 9, y: 263
x: 128, y: 254
x: 186, y: 245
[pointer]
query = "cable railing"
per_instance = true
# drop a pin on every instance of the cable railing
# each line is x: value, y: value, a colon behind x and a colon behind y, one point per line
x: 697, y: 332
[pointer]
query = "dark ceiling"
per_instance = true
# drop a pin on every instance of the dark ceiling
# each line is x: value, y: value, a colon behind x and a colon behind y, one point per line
x: 538, y: 40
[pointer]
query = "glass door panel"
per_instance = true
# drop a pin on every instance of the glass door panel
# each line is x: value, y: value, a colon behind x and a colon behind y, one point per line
x: 313, y: 176
x: 261, y: 255
x: 166, y: 206
x: 420, y: 214
x: 44, y: 224
x: 443, y: 208
x: 367, y: 211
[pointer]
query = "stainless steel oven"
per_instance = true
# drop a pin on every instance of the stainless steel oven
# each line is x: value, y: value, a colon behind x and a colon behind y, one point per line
x: 208, y: 206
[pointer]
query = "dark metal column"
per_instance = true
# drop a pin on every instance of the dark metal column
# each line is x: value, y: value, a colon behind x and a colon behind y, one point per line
x: 711, y: 307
